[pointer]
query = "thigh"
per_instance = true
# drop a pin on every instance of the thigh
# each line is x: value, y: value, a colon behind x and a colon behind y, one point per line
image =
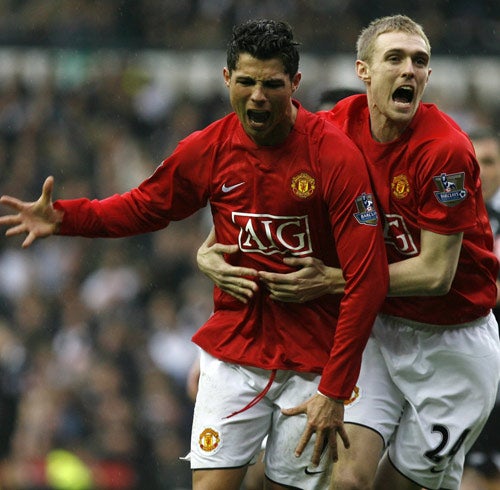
x: 218, y: 439
x: 389, y: 477
x: 220, y: 479
x: 283, y: 468
x: 357, y: 466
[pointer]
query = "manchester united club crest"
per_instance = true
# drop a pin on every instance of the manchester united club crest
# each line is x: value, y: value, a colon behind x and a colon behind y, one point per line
x: 209, y: 440
x: 400, y: 186
x: 450, y: 188
x: 367, y: 214
x: 303, y: 185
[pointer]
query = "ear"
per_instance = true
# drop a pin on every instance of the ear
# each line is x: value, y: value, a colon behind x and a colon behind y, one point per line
x: 296, y: 81
x: 428, y: 75
x: 227, y: 76
x: 363, y: 71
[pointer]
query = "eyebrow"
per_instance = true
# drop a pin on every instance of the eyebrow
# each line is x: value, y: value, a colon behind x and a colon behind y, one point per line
x: 422, y: 53
x: 266, y: 81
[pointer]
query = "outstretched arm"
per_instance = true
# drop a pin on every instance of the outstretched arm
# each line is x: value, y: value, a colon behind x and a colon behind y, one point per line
x: 231, y: 279
x: 428, y: 274
x: 37, y: 219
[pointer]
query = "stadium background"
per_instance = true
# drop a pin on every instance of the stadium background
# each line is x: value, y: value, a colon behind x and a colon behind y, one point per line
x: 95, y: 334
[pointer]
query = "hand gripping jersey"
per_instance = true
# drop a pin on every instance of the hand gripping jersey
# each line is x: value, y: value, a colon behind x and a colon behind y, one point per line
x: 309, y: 196
x: 428, y: 179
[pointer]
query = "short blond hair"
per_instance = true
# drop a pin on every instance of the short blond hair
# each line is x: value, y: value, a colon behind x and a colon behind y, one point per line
x: 393, y: 23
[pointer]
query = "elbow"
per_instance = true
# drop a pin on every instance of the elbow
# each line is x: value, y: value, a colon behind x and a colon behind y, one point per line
x: 440, y: 285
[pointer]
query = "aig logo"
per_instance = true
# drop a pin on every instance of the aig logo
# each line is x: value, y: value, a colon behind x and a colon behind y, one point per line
x: 268, y: 234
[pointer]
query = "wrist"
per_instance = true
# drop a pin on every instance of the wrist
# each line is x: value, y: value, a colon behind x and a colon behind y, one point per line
x: 335, y: 281
x: 58, y: 217
x: 338, y: 400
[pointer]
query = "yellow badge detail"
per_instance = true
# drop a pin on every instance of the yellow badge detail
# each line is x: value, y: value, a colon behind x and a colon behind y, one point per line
x: 303, y: 185
x: 354, y: 396
x: 400, y: 186
x: 209, y: 440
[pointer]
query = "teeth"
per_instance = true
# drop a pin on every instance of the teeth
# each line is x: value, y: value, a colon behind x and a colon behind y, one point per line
x: 403, y: 94
x: 258, y: 116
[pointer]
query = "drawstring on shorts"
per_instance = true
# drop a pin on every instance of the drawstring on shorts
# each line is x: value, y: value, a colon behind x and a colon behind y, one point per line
x: 258, y: 398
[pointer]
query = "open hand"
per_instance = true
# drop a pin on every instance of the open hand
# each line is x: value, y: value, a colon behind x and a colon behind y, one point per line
x: 231, y: 279
x: 325, y: 418
x: 37, y: 219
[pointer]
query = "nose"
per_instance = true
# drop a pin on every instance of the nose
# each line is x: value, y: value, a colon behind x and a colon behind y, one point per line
x: 258, y: 93
x: 408, y: 68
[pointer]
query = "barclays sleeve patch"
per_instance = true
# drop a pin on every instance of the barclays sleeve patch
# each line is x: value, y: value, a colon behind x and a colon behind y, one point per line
x: 367, y: 214
x: 451, y: 189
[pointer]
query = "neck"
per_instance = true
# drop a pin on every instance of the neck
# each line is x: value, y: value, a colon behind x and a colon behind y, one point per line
x: 385, y: 133
x: 385, y: 130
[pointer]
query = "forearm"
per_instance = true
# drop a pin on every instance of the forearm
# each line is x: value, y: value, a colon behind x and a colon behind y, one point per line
x: 113, y: 217
x: 412, y: 278
x: 431, y: 272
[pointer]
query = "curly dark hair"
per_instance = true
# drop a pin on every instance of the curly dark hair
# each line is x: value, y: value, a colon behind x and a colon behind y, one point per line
x: 264, y: 39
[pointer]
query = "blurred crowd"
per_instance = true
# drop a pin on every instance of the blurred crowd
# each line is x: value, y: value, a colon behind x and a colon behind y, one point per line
x: 95, y: 334
x: 458, y: 26
x: 95, y: 345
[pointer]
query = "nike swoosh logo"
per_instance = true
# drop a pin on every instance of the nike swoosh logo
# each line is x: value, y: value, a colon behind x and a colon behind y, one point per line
x: 307, y: 471
x: 436, y: 470
x: 230, y: 187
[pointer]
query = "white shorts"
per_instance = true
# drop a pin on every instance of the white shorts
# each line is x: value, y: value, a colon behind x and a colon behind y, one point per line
x: 428, y: 392
x: 226, y: 436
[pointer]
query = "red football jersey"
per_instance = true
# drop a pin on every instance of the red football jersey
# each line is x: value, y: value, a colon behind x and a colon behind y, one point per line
x: 428, y: 179
x: 310, y: 196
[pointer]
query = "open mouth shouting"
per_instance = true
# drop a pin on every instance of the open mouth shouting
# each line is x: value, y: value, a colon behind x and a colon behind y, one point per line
x: 404, y: 95
x: 258, y: 117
